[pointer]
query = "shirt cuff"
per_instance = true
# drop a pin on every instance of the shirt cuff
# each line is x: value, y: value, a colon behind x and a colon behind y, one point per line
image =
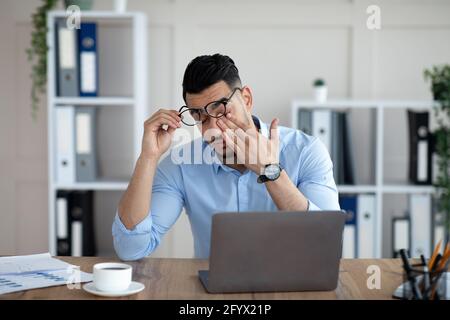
x: 143, y: 227
x: 312, y: 206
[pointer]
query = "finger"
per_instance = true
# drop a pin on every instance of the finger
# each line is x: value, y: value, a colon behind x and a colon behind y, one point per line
x: 242, y: 144
x: 231, y: 135
x: 229, y: 140
x: 172, y: 113
x: 229, y: 123
x: 167, y: 110
x: 164, y: 119
x: 171, y: 130
x: 169, y: 121
x: 238, y: 123
x: 248, y: 144
x: 238, y: 145
x: 156, y: 119
x: 241, y: 134
x: 222, y: 125
x: 274, y: 129
x: 243, y: 140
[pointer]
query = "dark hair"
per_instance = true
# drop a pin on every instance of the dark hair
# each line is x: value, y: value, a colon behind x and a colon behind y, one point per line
x: 207, y: 70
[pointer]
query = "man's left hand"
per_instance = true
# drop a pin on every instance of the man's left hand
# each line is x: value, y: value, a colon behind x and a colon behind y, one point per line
x: 252, y: 149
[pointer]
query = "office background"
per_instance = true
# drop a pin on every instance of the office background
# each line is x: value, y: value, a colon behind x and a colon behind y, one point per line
x: 280, y: 47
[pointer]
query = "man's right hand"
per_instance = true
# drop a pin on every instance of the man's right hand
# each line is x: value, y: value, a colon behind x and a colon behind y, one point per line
x: 156, y: 139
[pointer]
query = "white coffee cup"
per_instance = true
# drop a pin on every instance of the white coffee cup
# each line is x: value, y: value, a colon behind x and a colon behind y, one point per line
x: 112, y: 276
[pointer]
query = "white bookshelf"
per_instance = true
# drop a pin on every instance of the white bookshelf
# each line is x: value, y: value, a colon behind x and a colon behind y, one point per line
x: 136, y: 102
x: 100, y: 186
x: 380, y: 188
x: 98, y: 101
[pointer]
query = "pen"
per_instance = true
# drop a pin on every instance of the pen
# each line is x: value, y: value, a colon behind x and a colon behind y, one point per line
x: 404, y: 257
x: 436, y: 262
x: 411, y: 278
x: 422, y: 258
x: 426, y: 276
x: 436, y: 281
x: 444, y: 259
x: 434, y: 255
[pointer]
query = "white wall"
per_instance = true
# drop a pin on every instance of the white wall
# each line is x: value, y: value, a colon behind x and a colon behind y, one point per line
x: 279, y: 47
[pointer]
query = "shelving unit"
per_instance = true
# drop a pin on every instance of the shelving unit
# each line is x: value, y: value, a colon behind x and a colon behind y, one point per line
x: 135, y: 103
x: 98, y: 101
x: 380, y: 188
x: 108, y: 185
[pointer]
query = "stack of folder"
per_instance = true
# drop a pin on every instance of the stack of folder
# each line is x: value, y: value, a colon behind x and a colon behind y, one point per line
x: 421, y: 148
x: 77, y: 62
x: 420, y: 228
x: 76, y: 159
x: 332, y: 128
x: 359, y: 239
x: 75, y: 223
x: 75, y: 137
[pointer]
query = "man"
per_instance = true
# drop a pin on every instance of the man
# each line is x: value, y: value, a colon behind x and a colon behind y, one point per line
x: 259, y: 168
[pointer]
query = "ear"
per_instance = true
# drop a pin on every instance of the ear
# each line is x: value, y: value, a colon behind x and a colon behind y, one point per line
x: 247, y: 95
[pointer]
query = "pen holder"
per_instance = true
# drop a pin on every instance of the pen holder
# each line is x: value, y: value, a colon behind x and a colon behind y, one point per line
x: 421, y: 284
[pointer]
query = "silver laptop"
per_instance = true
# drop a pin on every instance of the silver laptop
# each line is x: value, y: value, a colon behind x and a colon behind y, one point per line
x: 274, y: 251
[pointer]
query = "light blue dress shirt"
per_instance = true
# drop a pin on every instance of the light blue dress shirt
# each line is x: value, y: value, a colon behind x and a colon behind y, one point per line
x: 205, y: 189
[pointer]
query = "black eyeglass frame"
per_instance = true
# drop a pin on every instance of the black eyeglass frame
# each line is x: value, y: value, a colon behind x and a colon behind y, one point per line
x: 224, y: 101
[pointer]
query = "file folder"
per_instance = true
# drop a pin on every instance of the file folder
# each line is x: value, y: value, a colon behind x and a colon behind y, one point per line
x: 347, y: 150
x: 420, y: 162
x: 366, y: 226
x: 321, y: 123
x: 86, y: 160
x: 438, y: 223
x: 65, y: 144
x: 349, y: 247
x: 67, y: 52
x: 62, y: 224
x: 336, y: 148
x: 88, y: 59
x: 401, y: 235
x: 350, y: 236
x: 420, y: 215
x: 305, y: 121
x: 341, y: 148
x: 77, y: 239
x: 82, y: 223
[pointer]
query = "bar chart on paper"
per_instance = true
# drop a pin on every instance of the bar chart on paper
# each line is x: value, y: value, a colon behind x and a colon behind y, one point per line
x: 20, y: 273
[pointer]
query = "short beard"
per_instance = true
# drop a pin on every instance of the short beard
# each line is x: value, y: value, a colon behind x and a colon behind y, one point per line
x: 225, y: 154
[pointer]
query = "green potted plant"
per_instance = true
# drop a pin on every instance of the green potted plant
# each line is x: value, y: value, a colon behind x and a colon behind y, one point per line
x: 82, y: 4
x: 439, y: 76
x: 320, y: 90
x: 37, y: 52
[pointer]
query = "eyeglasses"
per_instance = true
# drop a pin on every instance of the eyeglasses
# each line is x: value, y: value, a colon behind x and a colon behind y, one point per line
x: 215, y: 109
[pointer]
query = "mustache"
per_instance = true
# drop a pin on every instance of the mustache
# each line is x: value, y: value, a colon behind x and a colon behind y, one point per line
x: 215, y: 139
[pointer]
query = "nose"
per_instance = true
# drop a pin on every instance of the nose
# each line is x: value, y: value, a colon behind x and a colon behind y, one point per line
x: 210, y: 130
x: 210, y: 124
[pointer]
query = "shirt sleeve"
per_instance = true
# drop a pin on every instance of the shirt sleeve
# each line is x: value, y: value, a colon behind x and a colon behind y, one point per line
x: 166, y: 205
x: 316, y: 180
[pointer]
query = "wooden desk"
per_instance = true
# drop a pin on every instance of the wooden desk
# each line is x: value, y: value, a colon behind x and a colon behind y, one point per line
x: 177, y: 279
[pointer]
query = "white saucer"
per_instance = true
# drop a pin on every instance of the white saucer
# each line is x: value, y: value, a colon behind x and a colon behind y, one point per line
x: 134, y: 288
